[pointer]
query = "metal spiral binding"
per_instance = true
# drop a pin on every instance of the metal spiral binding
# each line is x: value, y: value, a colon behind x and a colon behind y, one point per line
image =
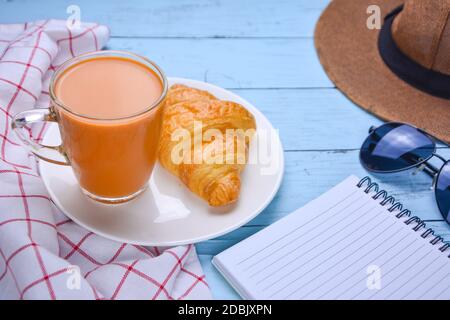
x: 386, y: 199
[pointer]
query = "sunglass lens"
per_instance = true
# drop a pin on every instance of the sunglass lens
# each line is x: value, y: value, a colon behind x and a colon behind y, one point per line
x: 442, y: 190
x: 395, y: 146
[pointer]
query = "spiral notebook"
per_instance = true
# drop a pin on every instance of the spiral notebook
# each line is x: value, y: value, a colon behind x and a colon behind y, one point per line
x: 353, y: 242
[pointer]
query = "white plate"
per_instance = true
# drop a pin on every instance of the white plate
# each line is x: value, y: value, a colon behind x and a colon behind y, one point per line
x: 167, y: 213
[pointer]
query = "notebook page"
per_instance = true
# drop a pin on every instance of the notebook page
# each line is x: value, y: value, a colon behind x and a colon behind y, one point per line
x: 342, y: 245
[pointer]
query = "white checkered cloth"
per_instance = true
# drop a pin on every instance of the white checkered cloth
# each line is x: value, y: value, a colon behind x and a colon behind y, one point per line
x: 44, y: 255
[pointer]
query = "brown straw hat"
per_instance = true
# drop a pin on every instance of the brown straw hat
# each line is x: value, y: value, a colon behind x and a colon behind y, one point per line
x: 399, y: 72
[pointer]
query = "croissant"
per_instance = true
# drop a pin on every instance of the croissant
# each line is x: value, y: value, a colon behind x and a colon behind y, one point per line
x: 212, y: 171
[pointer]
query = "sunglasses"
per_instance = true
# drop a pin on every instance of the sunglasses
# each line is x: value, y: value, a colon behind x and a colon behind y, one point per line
x: 394, y: 147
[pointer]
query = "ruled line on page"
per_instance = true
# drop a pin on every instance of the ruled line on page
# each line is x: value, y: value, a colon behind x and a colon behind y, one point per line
x: 381, y: 266
x: 445, y: 290
x: 423, y: 282
x: 269, y: 245
x: 366, y: 253
x: 313, y: 248
x: 325, y: 249
x: 396, y: 266
x: 303, y: 274
x: 358, y: 271
x: 429, y: 289
x: 305, y: 243
x: 408, y: 279
x: 410, y: 244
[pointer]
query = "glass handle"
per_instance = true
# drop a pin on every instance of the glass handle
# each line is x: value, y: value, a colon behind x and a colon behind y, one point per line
x: 53, y: 154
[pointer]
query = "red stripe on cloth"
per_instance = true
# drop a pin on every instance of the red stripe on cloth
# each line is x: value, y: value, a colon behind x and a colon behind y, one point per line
x: 114, y: 257
x: 87, y: 274
x: 36, y: 250
x: 8, y: 140
x: 38, y: 28
x: 21, y: 172
x: 81, y: 252
x: 8, y: 260
x: 26, y: 196
x: 63, y: 222
x: 179, y: 263
x: 95, y: 39
x: 140, y: 248
x: 46, y: 278
x: 189, y: 290
x: 122, y: 280
x: 24, y: 64
x: 27, y: 220
x: 22, y: 248
x: 16, y: 165
x: 41, y: 132
x: 44, y: 272
x: 37, y: 48
x: 11, y: 116
x: 70, y: 43
x: 16, y: 93
x: 144, y: 250
x: 75, y: 248
x: 10, y: 270
x: 19, y: 87
x: 146, y: 277
x: 96, y: 295
x: 6, y: 112
x: 4, y: 273
x: 25, y: 203
x: 87, y: 30
x: 201, y: 278
x: 86, y: 255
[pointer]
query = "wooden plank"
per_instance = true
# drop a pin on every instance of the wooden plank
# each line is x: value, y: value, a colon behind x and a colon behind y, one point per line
x: 182, y: 18
x: 313, y: 119
x: 235, y: 63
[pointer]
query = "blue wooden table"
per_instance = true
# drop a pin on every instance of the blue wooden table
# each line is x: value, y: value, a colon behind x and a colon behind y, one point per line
x: 264, y: 51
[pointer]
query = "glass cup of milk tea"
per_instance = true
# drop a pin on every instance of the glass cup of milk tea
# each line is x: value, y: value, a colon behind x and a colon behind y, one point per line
x: 108, y: 107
